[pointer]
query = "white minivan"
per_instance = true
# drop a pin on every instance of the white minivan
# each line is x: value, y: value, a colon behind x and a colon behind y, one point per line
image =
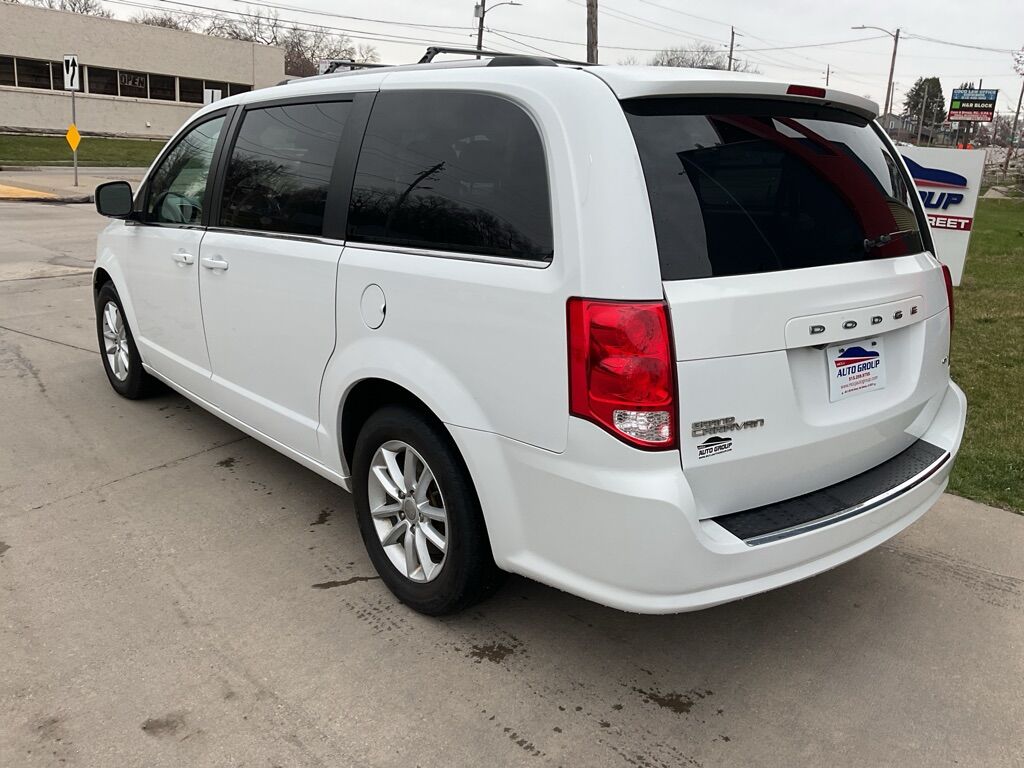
x: 661, y: 338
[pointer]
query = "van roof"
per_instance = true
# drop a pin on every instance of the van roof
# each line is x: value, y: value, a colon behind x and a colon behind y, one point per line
x: 626, y: 82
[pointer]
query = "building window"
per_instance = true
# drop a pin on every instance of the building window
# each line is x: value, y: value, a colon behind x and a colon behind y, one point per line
x: 162, y: 87
x: 49, y: 75
x: 34, y: 74
x: 212, y: 85
x: 6, y: 70
x: 133, y: 84
x: 102, y: 81
x: 190, y: 90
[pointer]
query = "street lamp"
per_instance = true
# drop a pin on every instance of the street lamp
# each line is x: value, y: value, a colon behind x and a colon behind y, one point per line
x: 892, y: 65
x: 480, y: 10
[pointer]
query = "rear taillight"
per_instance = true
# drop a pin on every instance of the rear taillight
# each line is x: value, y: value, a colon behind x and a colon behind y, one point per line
x: 621, y: 371
x: 949, y: 294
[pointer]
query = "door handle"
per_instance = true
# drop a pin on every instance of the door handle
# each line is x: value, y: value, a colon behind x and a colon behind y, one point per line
x: 210, y: 263
x: 184, y: 258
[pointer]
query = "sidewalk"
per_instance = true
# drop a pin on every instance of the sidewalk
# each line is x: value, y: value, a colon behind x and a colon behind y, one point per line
x: 56, y: 185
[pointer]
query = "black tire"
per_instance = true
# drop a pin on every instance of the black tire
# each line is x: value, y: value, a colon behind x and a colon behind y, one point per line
x: 468, y: 574
x: 137, y: 384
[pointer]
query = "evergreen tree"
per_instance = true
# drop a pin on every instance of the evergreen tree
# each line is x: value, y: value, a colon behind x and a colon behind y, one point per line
x: 914, y: 104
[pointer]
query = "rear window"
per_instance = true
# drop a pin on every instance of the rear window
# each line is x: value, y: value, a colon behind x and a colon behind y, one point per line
x: 739, y: 186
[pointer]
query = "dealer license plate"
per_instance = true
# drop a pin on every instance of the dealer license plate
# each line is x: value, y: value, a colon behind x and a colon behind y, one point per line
x: 855, y: 368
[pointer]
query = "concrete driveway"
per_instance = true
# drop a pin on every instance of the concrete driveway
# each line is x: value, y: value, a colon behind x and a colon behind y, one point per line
x: 173, y: 593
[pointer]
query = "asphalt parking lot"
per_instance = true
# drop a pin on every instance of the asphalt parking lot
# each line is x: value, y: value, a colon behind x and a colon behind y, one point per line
x: 176, y: 594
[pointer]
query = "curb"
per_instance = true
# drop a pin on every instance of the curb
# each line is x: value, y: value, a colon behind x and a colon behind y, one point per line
x: 49, y: 199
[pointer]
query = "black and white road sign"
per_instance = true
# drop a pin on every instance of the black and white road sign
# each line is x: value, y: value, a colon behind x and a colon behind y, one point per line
x: 72, y: 73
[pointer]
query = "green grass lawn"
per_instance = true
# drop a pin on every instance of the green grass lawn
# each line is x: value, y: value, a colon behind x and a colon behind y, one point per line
x: 988, y: 358
x: 54, y: 150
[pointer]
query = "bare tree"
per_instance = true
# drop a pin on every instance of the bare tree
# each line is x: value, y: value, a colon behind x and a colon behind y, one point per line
x: 303, y: 46
x: 256, y: 25
x: 629, y: 61
x: 699, y: 56
x: 367, y: 54
x: 186, y: 22
x: 85, y: 7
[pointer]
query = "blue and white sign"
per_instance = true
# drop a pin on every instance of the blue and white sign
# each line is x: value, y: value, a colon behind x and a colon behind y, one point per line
x: 855, y: 369
x: 948, y: 181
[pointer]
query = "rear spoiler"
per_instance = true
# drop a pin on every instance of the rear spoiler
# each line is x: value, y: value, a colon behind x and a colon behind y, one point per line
x: 709, y: 83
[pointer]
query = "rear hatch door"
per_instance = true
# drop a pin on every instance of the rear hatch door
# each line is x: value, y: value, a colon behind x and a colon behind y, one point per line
x: 810, y: 320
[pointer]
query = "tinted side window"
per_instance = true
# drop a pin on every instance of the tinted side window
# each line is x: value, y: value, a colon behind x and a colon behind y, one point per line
x: 178, y: 185
x: 281, y: 167
x: 455, y: 172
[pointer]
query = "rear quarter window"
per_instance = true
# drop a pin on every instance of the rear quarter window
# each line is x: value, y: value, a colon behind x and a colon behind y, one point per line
x: 452, y: 171
x: 740, y: 186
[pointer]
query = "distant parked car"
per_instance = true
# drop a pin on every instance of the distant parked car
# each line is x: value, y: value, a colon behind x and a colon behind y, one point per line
x: 660, y: 338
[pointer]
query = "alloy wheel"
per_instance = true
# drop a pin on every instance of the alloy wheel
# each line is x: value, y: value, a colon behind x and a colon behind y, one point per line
x: 408, y: 511
x: 115, y: 341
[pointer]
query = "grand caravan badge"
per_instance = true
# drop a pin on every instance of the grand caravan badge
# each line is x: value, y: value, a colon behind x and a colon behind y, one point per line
x: 721, y: 426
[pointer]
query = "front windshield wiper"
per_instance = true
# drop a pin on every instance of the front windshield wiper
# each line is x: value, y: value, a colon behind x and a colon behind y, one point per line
x: 878, y: 242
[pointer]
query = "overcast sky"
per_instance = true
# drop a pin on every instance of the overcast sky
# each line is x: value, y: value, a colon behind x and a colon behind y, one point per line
x: 637, y: 27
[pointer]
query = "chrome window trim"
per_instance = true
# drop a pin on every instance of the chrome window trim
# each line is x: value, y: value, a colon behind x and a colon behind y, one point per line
x: 456, y: 255
x: 276, y: 235
x: 853, y: 511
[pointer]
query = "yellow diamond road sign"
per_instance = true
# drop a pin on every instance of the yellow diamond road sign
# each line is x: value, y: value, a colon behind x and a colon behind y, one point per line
x: 73, y: 136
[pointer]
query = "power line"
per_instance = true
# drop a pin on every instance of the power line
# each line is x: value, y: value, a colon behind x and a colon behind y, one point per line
x: 816, y: 45
x: 640, y: 21
x: 684, y: 13
x: 521, y: 43
x: 281, y: 6
x: 218, y: 14
x: 959, y: 45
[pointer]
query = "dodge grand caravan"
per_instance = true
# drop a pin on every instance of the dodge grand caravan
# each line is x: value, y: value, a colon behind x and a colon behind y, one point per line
x: 661, y: 338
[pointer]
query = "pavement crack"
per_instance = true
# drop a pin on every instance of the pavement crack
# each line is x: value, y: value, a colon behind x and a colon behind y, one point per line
x: 81, y: 271
x: 52, y: 341
x: 343, y: 583
x: 165, y: 465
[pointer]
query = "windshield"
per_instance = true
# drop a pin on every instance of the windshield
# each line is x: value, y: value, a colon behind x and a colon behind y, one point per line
x: 739, y: 186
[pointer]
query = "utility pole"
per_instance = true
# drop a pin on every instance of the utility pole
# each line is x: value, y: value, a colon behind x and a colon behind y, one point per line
x: 1013, y: 131
x: 828, y: 73
x: 732, y: 44
x: 924, y: 107
x: 480, y: 9
x: 889, y: 95
x: 892, y: 65
x: 592, y: 31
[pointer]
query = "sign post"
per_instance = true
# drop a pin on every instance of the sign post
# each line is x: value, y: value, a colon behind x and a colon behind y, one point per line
x: 73, y: 82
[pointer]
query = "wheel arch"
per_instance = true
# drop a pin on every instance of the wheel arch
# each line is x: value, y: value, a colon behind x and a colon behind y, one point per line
x: 100, y: 277
x: 365, y: 397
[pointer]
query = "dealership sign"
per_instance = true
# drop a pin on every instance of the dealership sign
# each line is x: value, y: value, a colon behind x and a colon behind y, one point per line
x: 947, y: 181
x: 971, y: 105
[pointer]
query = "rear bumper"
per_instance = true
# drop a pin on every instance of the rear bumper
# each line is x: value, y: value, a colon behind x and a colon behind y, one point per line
x: 620, y: 527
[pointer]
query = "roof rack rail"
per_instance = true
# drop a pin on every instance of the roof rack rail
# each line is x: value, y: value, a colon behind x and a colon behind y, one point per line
x: 344, y: 65
x: 433, y: 50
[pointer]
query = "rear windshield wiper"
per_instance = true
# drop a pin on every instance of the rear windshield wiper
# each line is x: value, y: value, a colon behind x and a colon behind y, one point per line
x: 878, y: 242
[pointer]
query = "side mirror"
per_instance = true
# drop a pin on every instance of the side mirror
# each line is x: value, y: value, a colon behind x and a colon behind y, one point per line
x: 115, y: 200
